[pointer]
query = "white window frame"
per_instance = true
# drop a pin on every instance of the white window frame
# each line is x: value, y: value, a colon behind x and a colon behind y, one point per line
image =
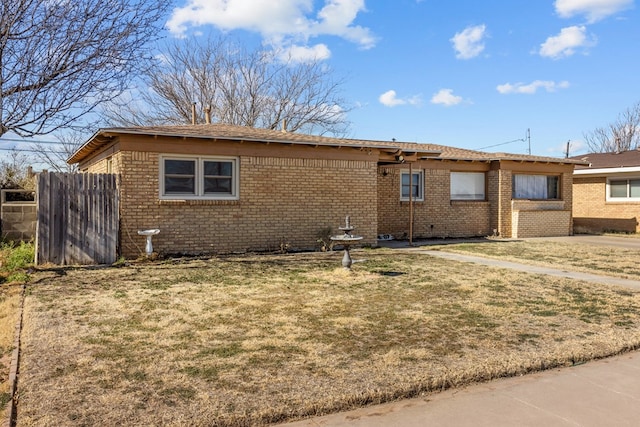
x: 468, y: 181
x: 622, y: 199
x: 199, y: 178
x: 420, y: 174
x: 534, y: 176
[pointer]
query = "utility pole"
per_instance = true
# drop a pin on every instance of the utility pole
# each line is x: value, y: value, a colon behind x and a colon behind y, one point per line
x: 529, y: 139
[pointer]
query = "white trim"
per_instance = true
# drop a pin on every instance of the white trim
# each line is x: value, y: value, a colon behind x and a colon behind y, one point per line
x: 199, y: 178
x: 606, y: 171
x: 420, y: 173
x: 610, y: 199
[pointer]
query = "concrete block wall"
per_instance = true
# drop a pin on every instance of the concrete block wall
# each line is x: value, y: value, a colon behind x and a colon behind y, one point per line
x: 592, y: 212
x: 19, y: 221
x: 436, y: 216
x: 283, y: 202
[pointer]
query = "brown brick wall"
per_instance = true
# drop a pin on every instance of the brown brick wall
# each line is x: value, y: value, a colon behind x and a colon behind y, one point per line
x: 436, y: 216
x: 592, y: 212
x: 282, y: 201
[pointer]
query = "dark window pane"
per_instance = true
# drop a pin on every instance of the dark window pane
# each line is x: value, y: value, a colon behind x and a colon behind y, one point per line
x: 416, y: 189
x: 179, y: 167
x: 218, y: 168
x: 553, y: 191
x: 217, y: 185
x: 179, y: 185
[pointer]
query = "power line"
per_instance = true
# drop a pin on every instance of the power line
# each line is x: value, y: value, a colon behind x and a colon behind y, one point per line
x: 29, y: 142
x: 525, y: 139
x: 28, y: 150
x: 502, y: 143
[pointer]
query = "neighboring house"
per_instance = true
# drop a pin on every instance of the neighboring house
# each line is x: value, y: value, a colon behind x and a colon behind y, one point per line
x: 607, y: 192
x: 220, y: 188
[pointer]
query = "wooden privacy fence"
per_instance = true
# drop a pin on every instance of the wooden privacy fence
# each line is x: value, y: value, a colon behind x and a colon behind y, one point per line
x: 77, y: 218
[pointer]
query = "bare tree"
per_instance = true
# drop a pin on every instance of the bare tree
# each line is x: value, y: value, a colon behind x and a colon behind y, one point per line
x: 620, y: 135
x: 55, y: 155
x: 59, y: 59
x: 235, y: 86
x: 15, y: 172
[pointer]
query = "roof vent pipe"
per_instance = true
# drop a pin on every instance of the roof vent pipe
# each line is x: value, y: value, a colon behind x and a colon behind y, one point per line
x: 193, y: 113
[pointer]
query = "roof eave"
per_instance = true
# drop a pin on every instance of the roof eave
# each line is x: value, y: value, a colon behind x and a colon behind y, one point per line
x: 94, y: 144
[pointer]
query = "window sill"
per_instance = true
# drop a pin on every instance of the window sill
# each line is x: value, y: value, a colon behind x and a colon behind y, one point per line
x: 198, y: 202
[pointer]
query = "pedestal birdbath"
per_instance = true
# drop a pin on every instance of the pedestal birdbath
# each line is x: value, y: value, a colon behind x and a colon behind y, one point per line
x: 347, y: 239
x: 148, y: 248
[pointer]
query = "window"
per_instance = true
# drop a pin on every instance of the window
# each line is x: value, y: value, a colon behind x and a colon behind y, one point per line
x: 415, y: 185
x: 624, y: 189
x: 199, y: 178
x: 467, y: 186
x: 537, y: 187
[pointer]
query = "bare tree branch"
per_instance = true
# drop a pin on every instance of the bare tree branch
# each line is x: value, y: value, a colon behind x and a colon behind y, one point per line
x: 621, y: 135
x: 60, y: 59
x: 55, y: 155
x: 247, y: 88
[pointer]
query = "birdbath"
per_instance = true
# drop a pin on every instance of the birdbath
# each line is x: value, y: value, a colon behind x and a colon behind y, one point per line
x: 148, y: 248
x: 347, y: 239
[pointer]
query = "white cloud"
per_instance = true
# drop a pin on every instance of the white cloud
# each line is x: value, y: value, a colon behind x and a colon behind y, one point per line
x: 532, y: 87
x: 566, y: 43
x: 305, y: 53
x: 446, y: 97
x: 469, y: 42
x: 390, y: 99
x: 593, y: 10
x: 281, y: 23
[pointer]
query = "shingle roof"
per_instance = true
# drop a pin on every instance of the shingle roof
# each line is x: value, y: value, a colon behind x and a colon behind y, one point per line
x: 609, y: 160
x: 241, y: 133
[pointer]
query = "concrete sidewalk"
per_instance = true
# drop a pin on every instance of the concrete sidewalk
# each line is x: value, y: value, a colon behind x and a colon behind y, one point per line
x: 599, y: 393
x: 605, y: 280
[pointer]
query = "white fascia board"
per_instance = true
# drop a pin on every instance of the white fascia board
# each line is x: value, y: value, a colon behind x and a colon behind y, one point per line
x: 607, y: 171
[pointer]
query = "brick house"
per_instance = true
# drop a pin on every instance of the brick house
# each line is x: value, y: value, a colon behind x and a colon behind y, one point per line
x: 220, y: 188
x: 607, y: 192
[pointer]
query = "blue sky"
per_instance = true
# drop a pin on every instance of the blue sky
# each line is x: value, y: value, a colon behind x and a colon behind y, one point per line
x: 466, y: 73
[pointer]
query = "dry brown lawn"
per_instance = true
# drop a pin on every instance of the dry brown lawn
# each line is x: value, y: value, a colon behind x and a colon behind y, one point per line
x: 253, y: 340
x: 9, y: 312
x: 596, y: 259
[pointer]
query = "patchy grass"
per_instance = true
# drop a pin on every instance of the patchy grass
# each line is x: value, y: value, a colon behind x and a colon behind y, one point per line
x: 595, y: 259
x: 253, y: 340
x: 14, y: 259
